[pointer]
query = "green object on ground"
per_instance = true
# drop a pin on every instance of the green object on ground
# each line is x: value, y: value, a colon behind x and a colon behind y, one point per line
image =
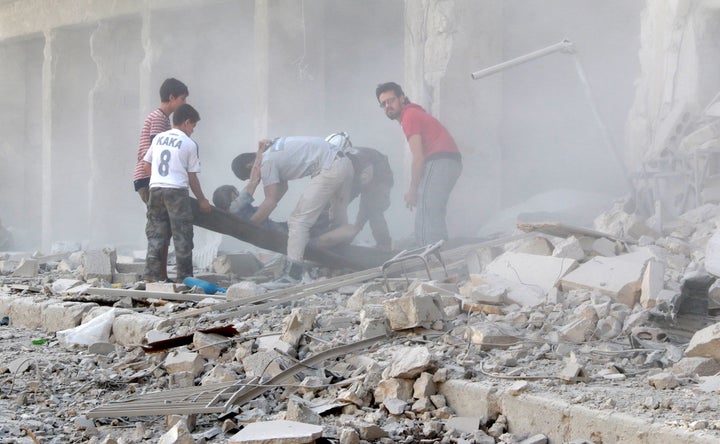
x: 39, y: 341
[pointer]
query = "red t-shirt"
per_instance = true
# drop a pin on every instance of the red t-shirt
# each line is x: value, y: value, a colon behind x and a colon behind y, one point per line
x: 435, y: 138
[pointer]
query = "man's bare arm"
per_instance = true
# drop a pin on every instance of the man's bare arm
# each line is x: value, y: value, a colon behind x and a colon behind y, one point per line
x: 197, y: 191
x: 273, y: 194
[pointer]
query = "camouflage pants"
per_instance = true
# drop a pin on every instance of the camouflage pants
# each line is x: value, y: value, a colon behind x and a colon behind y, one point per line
x: 169, y: 215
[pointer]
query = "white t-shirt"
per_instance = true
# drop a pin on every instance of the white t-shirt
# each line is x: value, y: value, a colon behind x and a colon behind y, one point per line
x: 295, y: 157
x: 173, y: 155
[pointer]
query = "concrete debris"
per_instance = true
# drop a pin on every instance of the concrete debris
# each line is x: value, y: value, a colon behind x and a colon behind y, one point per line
x: 413, y: 310
x: 618, y: 277
x: 178, y: 434
x: 574, y: 327
x: 277, y: 432
x: 705, y: 343
x: 27, y: 268
x: 239, y: 265
x: 184, y: 361
x: 531, y: 270
x: 99, y: 264
x: 243, y: 290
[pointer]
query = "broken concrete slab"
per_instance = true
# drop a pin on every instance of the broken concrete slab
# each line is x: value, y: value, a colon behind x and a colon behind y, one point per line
x: 243, y: 290
x: 178, y: 361
x: 297, y: 323
x: 424, y: 386
x: 700, y: 366
x: 219, y: 374
x: 604, y: 247
x: 238, y: 264
x: 531, y: 270
x: 261, y: 364
x: 61, y: 286
x: 398, y: 388
x: 373, y: 321
x: 27, y: 313
x: 277, y: 432
x: 515, y: 292
x: 64, y: 315
x: 490, y: 335
x: 463, y: 424
x: 99, y: 264
x: 618, y: 277
x: 209, y: 345
x: 178, y: 434
x: 569, y: 248
x: 539, y: 246
x: 27, y: 268
x: 481, y: 292
x: 705, y: 343
x: 130, y: 329
x: 413, y: 310
x: 471, y: 398
x: 410, y: 362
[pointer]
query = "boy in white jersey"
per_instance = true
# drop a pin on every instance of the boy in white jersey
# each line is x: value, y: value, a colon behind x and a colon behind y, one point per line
x: 172, y: 163
x: 289, y: 158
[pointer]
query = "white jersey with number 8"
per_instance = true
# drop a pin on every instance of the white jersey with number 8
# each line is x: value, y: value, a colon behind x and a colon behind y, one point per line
x: 173, y: 155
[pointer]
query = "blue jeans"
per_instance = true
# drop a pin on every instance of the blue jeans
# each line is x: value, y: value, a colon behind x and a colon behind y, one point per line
x: 438, y: 180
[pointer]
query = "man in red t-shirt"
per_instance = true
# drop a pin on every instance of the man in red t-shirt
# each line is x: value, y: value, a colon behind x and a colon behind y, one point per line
x: 436, y: 162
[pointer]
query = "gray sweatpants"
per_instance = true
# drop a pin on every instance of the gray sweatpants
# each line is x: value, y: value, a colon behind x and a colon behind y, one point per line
x: 439, y: 178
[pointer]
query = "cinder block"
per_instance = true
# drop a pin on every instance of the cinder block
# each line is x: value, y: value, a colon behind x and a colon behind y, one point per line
x: 64, y: 315
x: 27, y: 268
x: 99, y: 264
x: 238, y: 264
x: 468, y: 398
x: 27, y: 312
x: 130, y: 329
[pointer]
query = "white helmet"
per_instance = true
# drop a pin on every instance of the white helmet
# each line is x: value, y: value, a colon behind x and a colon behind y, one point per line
x: 340, y: 140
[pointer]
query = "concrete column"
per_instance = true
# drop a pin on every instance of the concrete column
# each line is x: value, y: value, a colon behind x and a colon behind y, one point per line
x: 46, y: 160
x: 415, y: 38
x: 113, y: 104
x: 68, y: 75
x: 659, y: 99
x: 262, y: 68
x: 437, y: 77
x: 20, y: 146
x: 296, y: 68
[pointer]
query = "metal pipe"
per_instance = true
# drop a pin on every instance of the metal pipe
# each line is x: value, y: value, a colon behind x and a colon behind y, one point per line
x: 564, y: 46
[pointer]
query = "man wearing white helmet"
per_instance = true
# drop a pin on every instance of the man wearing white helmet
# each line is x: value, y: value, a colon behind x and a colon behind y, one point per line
x: 290, y: 158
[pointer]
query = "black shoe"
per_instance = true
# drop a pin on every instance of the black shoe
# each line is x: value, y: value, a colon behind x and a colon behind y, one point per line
x: 292, y: 275
x: 294, y: 270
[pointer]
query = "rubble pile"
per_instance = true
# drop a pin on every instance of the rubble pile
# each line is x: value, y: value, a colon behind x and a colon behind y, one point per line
x: 561, y: 334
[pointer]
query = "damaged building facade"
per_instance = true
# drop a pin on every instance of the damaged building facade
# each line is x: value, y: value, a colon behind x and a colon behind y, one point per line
x: 589, y: 136
x: 79, y: 77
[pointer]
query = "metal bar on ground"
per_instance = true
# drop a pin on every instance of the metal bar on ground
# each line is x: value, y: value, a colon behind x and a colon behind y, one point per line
x: 142, y: 294
x: 205, y: 399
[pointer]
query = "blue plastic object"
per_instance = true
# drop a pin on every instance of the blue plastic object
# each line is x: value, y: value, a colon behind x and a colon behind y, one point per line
x: 207, y: 287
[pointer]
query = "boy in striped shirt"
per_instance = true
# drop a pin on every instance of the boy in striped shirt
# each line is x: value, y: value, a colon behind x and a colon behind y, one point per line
x: 173, y: 93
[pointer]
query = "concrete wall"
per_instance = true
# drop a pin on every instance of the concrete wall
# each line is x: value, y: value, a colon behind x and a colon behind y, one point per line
x: 20, y: 147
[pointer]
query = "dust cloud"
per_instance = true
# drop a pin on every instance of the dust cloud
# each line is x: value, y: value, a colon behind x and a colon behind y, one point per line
x: 535, y: 147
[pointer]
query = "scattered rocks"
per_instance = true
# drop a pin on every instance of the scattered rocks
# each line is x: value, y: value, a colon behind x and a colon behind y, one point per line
x: 600, y: 335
